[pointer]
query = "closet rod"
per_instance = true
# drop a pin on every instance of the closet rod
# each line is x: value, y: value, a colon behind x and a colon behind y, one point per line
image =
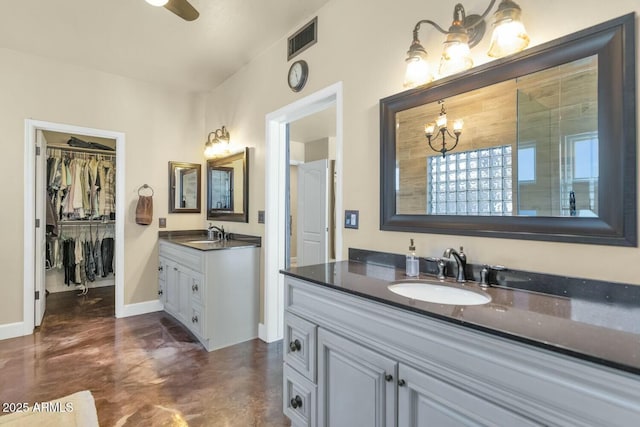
x: 80, y: 223
x: 82, y: 150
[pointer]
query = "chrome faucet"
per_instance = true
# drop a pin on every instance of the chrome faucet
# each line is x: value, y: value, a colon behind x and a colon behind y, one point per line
x: 461, y: 261
x: 214, y: 229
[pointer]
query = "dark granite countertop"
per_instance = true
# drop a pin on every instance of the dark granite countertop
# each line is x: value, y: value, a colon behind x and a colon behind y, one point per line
x: 598, y: 331
x: 196, y: 239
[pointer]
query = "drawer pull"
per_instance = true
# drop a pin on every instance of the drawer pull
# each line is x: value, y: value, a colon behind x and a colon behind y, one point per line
x: 401, y: 383
x: 160, y: 268
x: 194, y: 319
x: 296, y: 402
x: 194, y: 287
x: 295, y: 345
x: 388, y: 377
x: 160, y: 292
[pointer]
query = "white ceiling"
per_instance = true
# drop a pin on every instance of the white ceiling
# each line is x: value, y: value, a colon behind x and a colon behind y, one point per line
x: 134, y: 39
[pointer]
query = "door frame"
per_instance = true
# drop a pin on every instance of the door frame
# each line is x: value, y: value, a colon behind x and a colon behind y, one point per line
x: 276, y: 166
x: 28, y: 317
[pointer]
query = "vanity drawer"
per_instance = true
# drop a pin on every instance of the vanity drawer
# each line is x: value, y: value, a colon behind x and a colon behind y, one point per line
x: 197, y: 289
x: 299, y: 403
x: 196, y: 321
x: 300, y: 345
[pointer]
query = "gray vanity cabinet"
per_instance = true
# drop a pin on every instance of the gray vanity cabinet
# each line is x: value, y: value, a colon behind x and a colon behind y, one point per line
x: 213, y: 293
x: 377, y: 365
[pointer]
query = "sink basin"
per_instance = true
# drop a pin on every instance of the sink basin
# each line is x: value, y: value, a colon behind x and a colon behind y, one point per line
x: 438, y: 292
x: 204, y: 241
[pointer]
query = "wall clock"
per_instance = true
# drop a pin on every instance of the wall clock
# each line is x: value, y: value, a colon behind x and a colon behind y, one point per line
x: 298, y: 73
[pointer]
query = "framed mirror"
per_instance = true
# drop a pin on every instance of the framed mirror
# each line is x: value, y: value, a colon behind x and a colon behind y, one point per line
x: 228, y: 187
x: 547, y: 150
x: 184, y: 187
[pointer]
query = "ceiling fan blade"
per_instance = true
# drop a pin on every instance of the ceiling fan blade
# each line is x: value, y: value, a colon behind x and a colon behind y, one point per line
x: 183, y: 9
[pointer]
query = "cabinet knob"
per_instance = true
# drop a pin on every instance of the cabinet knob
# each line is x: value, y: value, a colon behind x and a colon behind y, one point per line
x: 194, y: 319
x: 160, y: 292
x: 296, y: 402
x: 194, y: 287
x: 295, y: 345
x: 401, y: 383
x: 175, y: 268
x: 388, y: 377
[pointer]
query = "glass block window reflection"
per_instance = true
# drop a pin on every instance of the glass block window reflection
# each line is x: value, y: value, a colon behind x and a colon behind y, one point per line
x: 471, y: 182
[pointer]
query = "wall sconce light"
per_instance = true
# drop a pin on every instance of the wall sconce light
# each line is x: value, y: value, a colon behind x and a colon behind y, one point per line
x: 466, y: 31
x: 217, y: 141
x: 440, y: 126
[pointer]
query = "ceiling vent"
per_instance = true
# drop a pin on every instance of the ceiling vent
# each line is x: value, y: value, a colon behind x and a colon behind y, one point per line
x: 304, y: 38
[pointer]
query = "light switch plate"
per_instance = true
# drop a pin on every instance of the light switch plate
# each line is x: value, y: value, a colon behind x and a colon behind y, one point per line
x: 351, y: 219
x: 162, y: 222
x: 260, y: 217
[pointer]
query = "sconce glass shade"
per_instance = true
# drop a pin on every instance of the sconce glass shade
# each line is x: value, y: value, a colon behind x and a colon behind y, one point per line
x: 509, y: 35
x: 418, y: 72
x: 456, y: 55
x: 209, y: 149
x: 157, y: 3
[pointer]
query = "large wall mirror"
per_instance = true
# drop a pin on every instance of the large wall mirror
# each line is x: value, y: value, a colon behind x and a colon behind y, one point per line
x: 228, y: 187
x: 547, y: 149
x: 184, y: 187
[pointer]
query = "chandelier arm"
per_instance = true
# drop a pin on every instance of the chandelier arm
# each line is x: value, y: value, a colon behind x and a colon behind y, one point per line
x: 431, y: 146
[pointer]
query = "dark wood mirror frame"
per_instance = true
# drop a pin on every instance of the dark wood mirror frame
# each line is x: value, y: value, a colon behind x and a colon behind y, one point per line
x: 614, y: 43
x: 218, y: 163
x: 172, y: 186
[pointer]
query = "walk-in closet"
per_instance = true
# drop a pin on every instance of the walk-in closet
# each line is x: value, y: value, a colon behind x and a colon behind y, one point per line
x: 79, y: 185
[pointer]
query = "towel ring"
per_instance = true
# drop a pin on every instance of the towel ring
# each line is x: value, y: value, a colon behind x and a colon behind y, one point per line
x: 144, y: 187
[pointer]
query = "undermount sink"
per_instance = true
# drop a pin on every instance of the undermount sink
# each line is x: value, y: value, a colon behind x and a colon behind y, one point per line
x: 438, y: 292
x: 204, y: 241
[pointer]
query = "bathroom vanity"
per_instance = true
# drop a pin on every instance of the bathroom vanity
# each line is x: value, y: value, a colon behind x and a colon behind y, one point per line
x: 356, y: 353
x: 211, y: 287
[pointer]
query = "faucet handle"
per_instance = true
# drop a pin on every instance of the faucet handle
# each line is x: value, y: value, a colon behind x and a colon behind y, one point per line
x: 441, y: 264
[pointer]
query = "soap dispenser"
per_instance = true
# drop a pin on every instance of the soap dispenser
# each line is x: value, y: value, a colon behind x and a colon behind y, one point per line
x: 413, y: 263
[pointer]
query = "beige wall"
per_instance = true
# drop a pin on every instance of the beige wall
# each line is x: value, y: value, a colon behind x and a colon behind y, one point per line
x: 160, y: 125
x: 381, y: 30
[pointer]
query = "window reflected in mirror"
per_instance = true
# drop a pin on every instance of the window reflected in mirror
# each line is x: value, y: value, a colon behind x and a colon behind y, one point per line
x: 227, y: 187
x: 529, y: 148
x: 184, y: 187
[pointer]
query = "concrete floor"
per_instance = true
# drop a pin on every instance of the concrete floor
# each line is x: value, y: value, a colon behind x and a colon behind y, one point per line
x: 143, y: 370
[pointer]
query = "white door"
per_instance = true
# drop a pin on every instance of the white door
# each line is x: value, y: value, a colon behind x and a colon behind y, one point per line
x: 313, y: 218
x: 40, y: 234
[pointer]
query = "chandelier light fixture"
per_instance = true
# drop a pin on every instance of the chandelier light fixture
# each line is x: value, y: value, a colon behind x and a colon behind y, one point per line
x: 466, y: 31
x: 440, y: 127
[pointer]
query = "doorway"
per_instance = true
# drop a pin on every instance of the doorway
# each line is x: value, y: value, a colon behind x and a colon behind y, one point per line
x: 35, y: 252
x: 276, y: 213
x: 312, y: 189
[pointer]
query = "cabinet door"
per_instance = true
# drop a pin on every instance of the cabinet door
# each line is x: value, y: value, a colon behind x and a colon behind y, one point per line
x: 162, y: 279
x: 171, y: 295
x: 356, y: 386
x: 426, y: 401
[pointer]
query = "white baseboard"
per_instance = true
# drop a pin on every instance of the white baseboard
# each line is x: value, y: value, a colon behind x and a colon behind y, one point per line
x: 12, y: 330
x: 262, y: 332
x: 141, y: 308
